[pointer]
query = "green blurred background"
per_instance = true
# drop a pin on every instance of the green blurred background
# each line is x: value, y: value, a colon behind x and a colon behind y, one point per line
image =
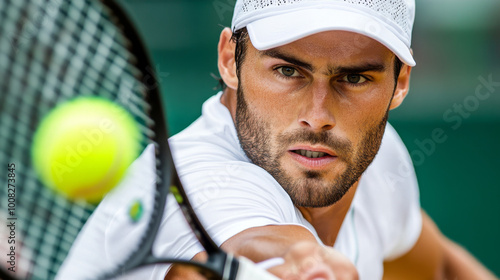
x: 456, y: 45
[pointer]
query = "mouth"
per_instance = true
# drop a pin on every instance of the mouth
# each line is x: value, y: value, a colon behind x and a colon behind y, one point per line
x: 310, y: 154
x: 313, y: 152
x: 313, y: 158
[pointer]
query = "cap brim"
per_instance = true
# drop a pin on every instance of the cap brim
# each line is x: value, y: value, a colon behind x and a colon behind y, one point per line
x: 284, y: 28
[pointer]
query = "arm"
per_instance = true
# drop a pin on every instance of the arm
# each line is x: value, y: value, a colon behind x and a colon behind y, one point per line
x: 435, y: 257
x: 180, y: 272
x: 460, y: 264
x: 304, y: 257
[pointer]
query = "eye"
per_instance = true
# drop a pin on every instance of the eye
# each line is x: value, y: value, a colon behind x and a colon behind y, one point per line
x: 288, y: 71
x: 354, y: 79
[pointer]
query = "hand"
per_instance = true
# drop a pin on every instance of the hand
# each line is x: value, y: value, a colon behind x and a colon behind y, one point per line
x: 308, y: 260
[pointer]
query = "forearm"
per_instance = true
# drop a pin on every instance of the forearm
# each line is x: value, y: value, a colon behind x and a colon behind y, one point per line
x: 257, y: 244
x: 435, y: 257
x: 460, y: 264
x: 303, y: 256
x: 182, y: 272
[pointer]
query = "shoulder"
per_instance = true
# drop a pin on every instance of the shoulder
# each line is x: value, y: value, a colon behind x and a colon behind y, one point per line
x: 392, y: 166
x: 210, y: 182
x: 212, y: 137
x: 389, y: 196
x: 392, y: 145
x: 231, y: 196
x: 212, y: 164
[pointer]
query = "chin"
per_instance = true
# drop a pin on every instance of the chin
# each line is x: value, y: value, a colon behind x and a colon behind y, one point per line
x: 315, y: 193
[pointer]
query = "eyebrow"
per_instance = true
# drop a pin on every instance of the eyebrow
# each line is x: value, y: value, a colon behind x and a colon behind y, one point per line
x: 365, y: 67
x: 274, y: 53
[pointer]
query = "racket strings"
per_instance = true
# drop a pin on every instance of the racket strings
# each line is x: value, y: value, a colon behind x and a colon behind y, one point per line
x: 102, y: 53
x: 104, y: 66
x: 9, y: 26
x: 52, y: 51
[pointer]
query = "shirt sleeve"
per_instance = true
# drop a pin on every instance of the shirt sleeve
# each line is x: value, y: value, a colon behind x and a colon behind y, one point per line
x: 233, y: 196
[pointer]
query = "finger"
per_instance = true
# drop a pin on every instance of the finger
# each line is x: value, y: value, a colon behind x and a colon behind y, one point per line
x: 319, y: 271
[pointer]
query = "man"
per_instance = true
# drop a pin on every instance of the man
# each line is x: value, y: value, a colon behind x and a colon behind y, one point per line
x: 294, y: 158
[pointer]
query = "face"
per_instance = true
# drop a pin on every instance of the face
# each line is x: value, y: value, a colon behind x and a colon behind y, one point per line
x: 312, y: 113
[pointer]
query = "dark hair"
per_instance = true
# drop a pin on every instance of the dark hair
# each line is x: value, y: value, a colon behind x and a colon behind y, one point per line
x: 240, y: 38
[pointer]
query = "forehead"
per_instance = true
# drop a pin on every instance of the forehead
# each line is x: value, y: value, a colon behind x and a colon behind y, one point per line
x: 342, y: 47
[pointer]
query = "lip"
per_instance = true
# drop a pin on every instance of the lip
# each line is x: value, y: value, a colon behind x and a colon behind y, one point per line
x: 313, y: 149
x: 313, y: 163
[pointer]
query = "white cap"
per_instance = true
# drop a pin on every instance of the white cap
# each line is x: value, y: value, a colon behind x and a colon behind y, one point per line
x: 273, y: 23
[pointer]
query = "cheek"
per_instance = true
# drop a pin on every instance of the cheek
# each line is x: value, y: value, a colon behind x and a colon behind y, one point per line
x: 267, y: 98
x: 357, y: 116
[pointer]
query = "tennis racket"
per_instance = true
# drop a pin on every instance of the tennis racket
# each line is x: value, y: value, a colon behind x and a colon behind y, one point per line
x: 52, y: 51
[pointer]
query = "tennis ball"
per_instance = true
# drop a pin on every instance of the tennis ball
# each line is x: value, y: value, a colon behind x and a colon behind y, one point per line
x: 83, y: 147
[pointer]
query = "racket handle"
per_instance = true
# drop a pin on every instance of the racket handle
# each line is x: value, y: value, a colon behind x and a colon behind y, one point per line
x: 247, y: 270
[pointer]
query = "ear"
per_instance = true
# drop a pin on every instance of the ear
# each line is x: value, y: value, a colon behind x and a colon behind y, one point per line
x: 402, y: 87
x: 226, y: 61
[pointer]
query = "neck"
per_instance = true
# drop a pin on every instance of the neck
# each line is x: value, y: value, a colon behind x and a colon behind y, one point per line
x: 228, y: 99
x: 328, y: 220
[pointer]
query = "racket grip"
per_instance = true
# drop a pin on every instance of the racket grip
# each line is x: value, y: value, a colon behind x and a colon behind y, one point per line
x: 247, y: 270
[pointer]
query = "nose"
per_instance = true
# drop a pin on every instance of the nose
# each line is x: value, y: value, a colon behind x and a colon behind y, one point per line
x: 317, y: 112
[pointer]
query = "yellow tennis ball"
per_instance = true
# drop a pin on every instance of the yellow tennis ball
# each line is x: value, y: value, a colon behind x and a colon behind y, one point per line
x: 83, y: 147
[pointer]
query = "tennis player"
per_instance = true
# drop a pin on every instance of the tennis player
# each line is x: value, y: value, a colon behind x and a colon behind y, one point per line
x: 295, y: 158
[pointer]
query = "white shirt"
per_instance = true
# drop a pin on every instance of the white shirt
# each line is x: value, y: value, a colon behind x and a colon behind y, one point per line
x: 230, y: 194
